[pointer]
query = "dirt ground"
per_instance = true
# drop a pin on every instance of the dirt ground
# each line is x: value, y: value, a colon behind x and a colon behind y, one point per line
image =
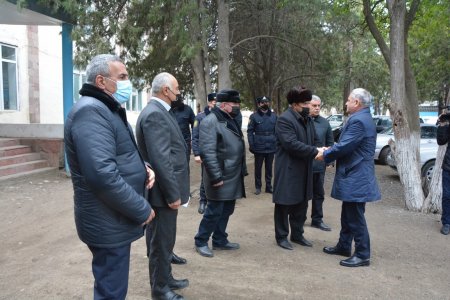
x: 42, y: 257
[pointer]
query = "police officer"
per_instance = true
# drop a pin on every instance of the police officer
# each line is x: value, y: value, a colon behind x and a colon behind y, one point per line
x: 185, y: 118
x: 262, y: 141
x: 196, y: 149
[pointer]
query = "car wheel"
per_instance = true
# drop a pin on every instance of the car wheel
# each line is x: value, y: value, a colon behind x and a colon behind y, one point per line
x: 427, y: 171
x: 382, y: 159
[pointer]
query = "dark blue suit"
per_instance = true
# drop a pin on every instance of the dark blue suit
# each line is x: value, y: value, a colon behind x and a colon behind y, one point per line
x: 355, y: 182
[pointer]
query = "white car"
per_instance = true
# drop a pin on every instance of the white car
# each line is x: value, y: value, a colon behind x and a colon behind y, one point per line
x: 335, y: 120
x: 382, y: 150
x: 428, y: 152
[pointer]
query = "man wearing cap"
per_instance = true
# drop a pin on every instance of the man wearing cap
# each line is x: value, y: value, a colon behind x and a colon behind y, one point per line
x: 196, y: 148
x: 293, y: 168
x: 222, y: 150
x: 325, y: 136
x: 262, y: 141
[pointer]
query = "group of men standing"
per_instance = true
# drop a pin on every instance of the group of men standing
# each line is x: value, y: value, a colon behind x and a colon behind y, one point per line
x: 122, y: 185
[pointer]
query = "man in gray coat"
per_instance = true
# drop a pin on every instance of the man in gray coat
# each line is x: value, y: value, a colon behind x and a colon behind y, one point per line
x: 162, y: 145
x: 293, y: 168
x: 108, y: 175
x: 355, y: 182
x: 222, y: 150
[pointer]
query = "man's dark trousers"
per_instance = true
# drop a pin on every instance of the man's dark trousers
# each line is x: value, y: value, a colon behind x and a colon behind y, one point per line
x: 318, y: 197
x: 267, y: 158
x: 354, y: 226
x: 215, y: 221
x: 110, y: 267
x: 445, y: 197
x: 295, y: 215
x: 163, y: 235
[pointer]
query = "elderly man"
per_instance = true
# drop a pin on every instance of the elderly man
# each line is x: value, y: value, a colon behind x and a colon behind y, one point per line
x: 325, y: 136
x: 196, y: 148
x: 355, y: 182
x: 262, y: 142
x: 108, y: 175
x: 222, y: 150
x: 293, y: 168
x: 161, y: 143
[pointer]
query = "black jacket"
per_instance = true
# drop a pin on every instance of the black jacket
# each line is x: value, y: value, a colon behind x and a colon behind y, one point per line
x: 297, y: 148
x: 261, y: 132
x: 222, y: 150
x: 443, y: 137
x: 185, y: 118
x: 325, y: 136
x: 196, y: 132
x: 108, y: 174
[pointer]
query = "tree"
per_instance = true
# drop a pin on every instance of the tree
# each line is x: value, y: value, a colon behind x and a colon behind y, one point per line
x: 404, y: 103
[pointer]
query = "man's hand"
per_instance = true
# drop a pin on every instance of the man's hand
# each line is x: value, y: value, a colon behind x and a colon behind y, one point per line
x: 150, y: 178
x: 218, y: 184
x: 150, y: 218
x: 319, y: 155
x: 175, y: 205
x: 198, y: 159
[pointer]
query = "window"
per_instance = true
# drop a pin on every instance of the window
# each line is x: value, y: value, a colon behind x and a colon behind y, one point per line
x: 78, y: 79
x: 135, y: 102
x: 8, y: 78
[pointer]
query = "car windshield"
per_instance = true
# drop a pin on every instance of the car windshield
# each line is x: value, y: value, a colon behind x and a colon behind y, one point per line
x: 428, y: 132
x: 387, y: 131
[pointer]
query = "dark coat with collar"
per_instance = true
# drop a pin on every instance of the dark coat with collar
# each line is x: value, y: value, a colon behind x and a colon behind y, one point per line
x: 296, y: 151
x: 162, y: 145
x: 196, y: 130
x: 443, y: 137
x: 261, y: 132
x: 325, y: 136
x: 107, y: 172
x: 355, y: 179
x: 222, y: 150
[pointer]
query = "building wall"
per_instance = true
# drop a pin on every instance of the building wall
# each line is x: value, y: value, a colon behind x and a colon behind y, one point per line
x: 50, y: 75
x: 16, y: 35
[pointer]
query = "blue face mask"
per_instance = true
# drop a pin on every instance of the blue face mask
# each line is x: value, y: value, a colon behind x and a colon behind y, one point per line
x: 124, y: 89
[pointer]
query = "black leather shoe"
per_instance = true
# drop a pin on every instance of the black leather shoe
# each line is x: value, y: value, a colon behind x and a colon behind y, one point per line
x: 178, y: 260
x: 337, y: 251
x: 321, y: 226
x: 302, y: 241
x: 227, y: 246
x: 285, y: 245
x: 204, y: 251
x: 201, y: 207
x: 258, y: 191
x: 269, y: 190
x: 355, y: 261
x: 167, y: 296
x: 178, y: 284
x: 445, y: 230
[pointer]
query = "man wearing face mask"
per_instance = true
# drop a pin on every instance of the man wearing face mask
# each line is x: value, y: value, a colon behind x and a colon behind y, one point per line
x: 297, y: 148
x: 222, y: 150
x: 109, y: 176
x: 262, y: 141
x: 185, y: 117
x: 161, y: 143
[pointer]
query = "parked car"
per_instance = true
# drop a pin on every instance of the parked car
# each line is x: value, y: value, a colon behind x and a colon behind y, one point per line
x: 382, y: 150
x: 382, y: 123
x: 428, y: 151
x: 335, y: 120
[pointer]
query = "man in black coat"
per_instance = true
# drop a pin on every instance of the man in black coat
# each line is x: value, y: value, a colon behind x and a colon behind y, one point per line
x: 222, y: 150
x: 196, y: 148
x: 293, y: 168
x: 443, y: 137
x: 262, y: 142
x: 108, y: 175
x: 162, y: 145
x: 325, y: 136
x: 185, y: 117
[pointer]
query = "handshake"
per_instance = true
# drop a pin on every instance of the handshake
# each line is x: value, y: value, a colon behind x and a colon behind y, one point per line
x: 319, y: 155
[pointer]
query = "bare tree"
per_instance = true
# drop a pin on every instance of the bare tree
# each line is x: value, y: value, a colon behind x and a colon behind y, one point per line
x: 223, y: 44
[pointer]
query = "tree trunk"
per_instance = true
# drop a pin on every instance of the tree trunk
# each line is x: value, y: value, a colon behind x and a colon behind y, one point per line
x: 433, y: 202
x: 198, y: 67
x: 223, y: 44
x: 406, y: 138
